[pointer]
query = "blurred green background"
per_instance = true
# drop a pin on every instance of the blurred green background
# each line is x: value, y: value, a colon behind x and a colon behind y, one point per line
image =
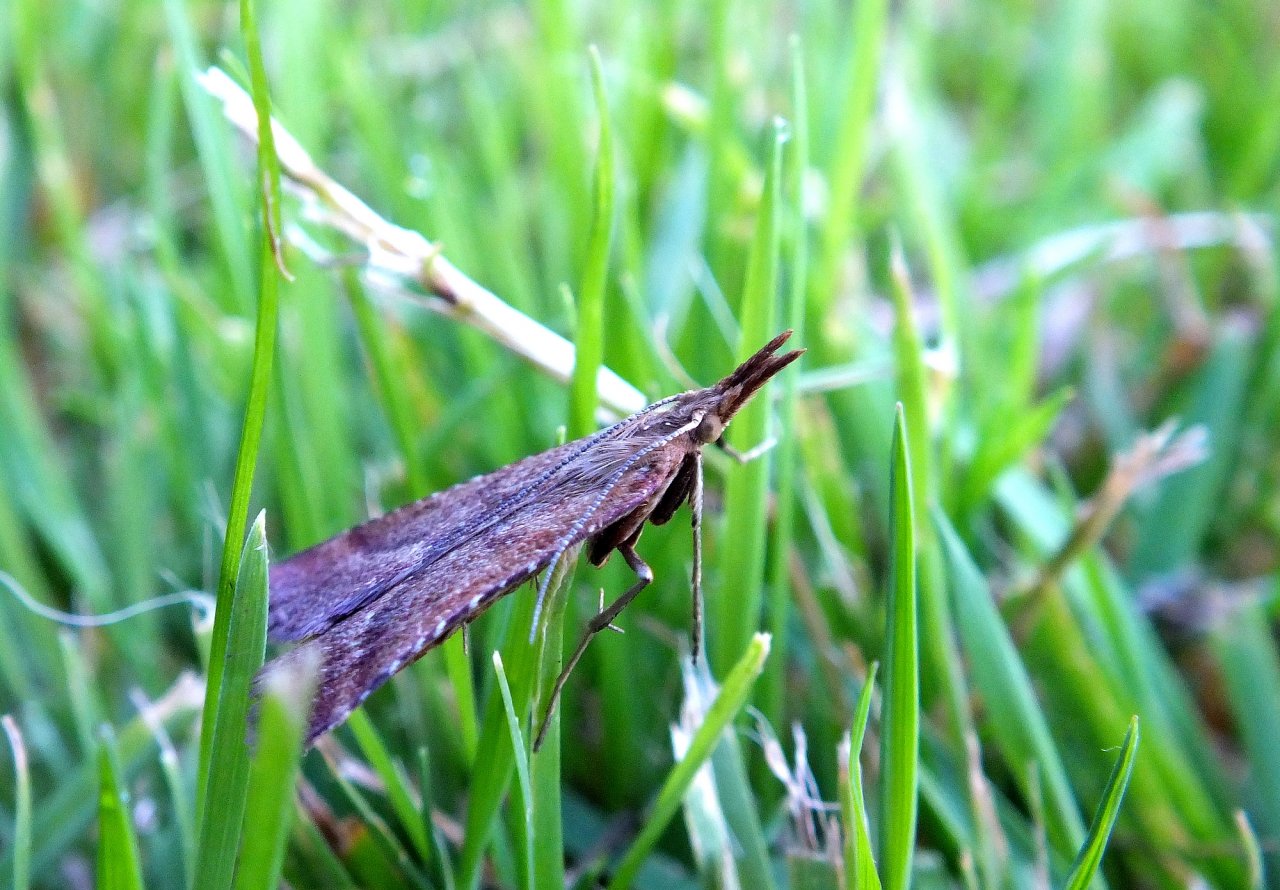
x: 1045, y: 228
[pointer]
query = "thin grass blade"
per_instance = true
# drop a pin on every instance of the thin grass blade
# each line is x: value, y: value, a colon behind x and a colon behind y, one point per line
x: 21, y: 805
x: 1090, y: 857
x: 521, y: 765
x: 859, y: 860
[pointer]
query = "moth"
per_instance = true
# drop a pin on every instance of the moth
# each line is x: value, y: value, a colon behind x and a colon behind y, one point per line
x: 378, y: 596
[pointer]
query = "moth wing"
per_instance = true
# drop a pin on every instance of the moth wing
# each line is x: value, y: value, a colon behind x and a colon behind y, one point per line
x: 317, y: 587
x: 363, y: 650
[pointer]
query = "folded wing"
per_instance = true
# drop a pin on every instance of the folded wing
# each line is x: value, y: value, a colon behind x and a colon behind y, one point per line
x: 360, y: 651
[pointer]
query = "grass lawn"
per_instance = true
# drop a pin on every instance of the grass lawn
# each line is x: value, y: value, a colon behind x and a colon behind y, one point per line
x: 993, y: 608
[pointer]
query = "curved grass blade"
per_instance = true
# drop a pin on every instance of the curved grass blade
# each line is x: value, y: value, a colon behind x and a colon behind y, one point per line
x: 1090, y: 856
x: 733, y: 696
x: 60, y: 819
x: 859, y: 861
x: 544, y: 762
x: 119, y: 867
x: 22, y: 805
x: 900, y: 739
x: 521, y: 765
x: 848, y: 159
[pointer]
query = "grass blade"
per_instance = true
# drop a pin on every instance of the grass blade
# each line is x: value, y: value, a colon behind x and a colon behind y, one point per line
x: 859, y: 861
x: 734, y: 615
x: 733, y: 696
x: 848, y: 160
x: 269, y: 806
x: 22, y: 805
x: 589, y: 331
x: 1016, y: 721
x: 1090, y: 856
x: 256, y: 408
x: 796, y: 253
x: 521, y: 765
x: 495, y: 759
x: 900, y: 739
x: 119, y: 867
x: 222, y: 815
x: 398, y: 793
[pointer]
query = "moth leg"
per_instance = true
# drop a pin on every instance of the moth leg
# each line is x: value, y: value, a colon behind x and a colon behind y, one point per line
x: 644, y: 577
x: 744, y: 457
x: 696, y: 509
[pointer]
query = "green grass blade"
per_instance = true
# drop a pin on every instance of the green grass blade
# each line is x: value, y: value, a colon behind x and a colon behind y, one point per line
x: 81, y: 690
x: 942, y: 674
x: 377, y: 856
x: 589, y: 331
x: 1174, y: 525
x: 521, y: 764
x: 735, y: 614
x: 60, y: 818
x: 795, y: 248
x: 269, y: 805
x: 495, y: 758
x: 1018, y: 726
x: 1090, y: 857
x: 213, y: 150
x: 900, y: 738
x: 255, y: 410
x: 733, y: 696
x: 398, y: 793
x: 1257, y: 870
x: 743, y: 809
x: 259, y: 382
x: 847, y: 163
x: 119, y: 867
x: 859, y: 860
x: 222, y: 815
x: 545, y: 769
x: 21, y: 805
x: 1251, y: 671
x: 1018, y: 436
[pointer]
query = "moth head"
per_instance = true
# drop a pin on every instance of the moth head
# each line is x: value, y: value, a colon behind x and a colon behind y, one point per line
x: 734, y: 391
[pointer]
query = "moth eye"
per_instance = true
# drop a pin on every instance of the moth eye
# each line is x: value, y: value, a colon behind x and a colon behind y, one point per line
x: 710, y: 428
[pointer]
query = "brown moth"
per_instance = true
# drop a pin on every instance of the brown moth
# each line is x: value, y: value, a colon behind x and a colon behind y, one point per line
x: 376, y: 597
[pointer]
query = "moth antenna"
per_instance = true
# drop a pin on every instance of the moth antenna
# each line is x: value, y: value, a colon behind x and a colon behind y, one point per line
x: 696, y: 508
x: 658, y: 404
x: 582, y: 520
x: 542, y: 592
